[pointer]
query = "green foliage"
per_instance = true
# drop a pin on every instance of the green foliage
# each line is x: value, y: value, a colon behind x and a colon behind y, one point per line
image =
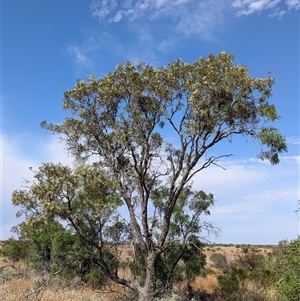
x: 232, y: 285
x: 245, y: 249
x: 95, y: 278
x: 247, y: 278
x: 218, y: 99
x: 15, y: 250
x: 180, y: 262
x: 47, y: 241
x: 53, y: 248
x: 287, y: 272
x: 70, y: 221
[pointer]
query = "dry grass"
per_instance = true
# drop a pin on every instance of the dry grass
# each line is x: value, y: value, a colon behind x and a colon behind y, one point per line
x: 208, y: 283
x: 23, y: 288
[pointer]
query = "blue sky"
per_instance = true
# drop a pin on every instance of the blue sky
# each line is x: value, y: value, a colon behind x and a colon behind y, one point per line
x: 47, y: 45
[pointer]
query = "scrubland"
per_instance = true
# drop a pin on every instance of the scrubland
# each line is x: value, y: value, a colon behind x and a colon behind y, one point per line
x: 19, y: 283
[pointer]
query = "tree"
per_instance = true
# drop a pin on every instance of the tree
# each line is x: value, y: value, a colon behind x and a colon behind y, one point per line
x: 68, y: 220
x: 152, y: 129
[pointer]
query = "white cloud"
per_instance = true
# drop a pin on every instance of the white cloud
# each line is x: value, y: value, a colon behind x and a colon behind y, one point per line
x: 293, y: 140
x: 187, y: 12
x: 166, y: 23
x: 203, y: 19
x: 248, y: 7
x: 293, y: 4
x: 118, y: 17
x: 256, y: 220
x: 236, y: 176
x: 77, y: 54
x: 94, y: 49
x: 277, y: 13
x: 190, y: 16
x: 102, y: 8
x: 252, y: 198
x: 287, y: 159
x: 24, y: 151
x: 291, y: 159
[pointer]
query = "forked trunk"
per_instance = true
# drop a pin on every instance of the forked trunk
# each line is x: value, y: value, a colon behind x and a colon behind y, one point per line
x: 147, y: 292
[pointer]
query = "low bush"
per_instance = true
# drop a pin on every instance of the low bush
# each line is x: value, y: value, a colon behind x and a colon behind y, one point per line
x: 220, y: 261
x: 248, y: 278
x: 15, y: 250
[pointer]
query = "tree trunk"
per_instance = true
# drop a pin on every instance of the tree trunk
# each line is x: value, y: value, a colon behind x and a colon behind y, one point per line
x: 147, y: 292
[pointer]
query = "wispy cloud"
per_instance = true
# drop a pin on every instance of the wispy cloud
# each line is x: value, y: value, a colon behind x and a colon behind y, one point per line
x: 132, y: 9
x: 291, y: 159
x: 275, y: 7
x: 286, y: 159
x: 154, y: 27
x: 293, y: 140
x: 238, y: 175
x: 95, y: 50
x: 247, y: 7
x: 190, y: 16
x: 293, y: 4
x: 102, y: 8
x: 80, y: 57
x: 252, y: 198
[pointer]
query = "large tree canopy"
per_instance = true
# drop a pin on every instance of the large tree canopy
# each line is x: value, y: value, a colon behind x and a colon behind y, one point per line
x: 150, y: 130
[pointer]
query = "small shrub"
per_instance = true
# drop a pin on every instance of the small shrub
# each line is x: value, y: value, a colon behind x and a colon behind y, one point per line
x: 15, y: 250
x: 220, y: 261
x: 247, y: 278
x: 96, y: 278
x: 245, y: 249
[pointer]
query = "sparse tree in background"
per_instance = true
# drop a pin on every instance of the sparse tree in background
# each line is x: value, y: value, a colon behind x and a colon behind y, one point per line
x: 151, y: 130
